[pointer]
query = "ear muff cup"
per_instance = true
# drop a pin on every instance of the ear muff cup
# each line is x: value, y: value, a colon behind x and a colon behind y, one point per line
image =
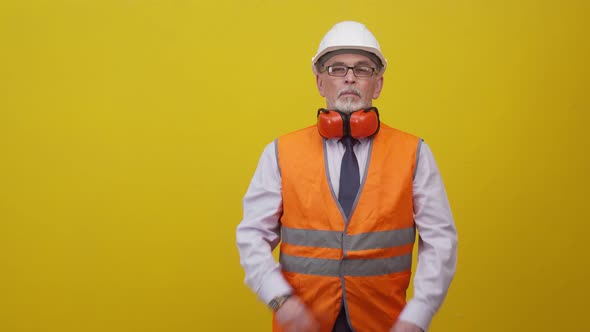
x: 331, y: 123
x: 364, y: 123
x: 359, y: 124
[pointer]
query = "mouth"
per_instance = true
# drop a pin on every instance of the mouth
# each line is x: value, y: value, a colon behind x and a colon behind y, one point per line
x: 349, y: 94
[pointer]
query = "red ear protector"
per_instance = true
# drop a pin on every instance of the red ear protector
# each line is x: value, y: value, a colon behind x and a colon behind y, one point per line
x: 358, y: 124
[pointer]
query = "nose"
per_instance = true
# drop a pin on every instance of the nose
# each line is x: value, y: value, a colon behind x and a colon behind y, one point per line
x: 350, y: 78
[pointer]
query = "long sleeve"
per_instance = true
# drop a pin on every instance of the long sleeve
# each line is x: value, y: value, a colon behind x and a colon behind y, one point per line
x: 437, y: 245
x: 259, y: 231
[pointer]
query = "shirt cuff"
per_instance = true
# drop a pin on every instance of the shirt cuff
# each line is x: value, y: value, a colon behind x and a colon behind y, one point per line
x: 417, y: 313
x: 273, y: 285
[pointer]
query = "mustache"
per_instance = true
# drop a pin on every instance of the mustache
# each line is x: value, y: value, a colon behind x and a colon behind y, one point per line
x: 350, y: 89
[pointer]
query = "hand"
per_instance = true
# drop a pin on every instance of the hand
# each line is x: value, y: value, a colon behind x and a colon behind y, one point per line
x: 402, y: 326
x: 293, y: 316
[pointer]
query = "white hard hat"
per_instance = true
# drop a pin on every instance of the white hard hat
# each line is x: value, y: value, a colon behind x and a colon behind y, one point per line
x: 348, y: 35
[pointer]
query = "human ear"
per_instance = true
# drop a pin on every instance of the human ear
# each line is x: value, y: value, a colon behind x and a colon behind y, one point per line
x: 378, y: 87
x: 320, y: 84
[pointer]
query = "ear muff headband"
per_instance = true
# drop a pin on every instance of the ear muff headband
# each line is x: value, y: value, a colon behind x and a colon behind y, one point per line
x: 359, y: 124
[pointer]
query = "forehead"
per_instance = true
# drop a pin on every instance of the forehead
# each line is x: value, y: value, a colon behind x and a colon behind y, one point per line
x: 349, y: 59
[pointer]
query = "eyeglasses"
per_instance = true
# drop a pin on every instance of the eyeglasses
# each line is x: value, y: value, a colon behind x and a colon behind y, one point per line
x: 359, y: 72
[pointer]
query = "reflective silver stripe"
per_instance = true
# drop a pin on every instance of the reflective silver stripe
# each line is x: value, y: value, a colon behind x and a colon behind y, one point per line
x: 377, y: 266
x: 311, y: 238
x: 352, y: 267
x: 332, y: 239
x: 383, y: 239
x: 420, y: 141
x: 327, y: 170
x: 277, y: 155
x: 362, y: 186
x: 315, y: 266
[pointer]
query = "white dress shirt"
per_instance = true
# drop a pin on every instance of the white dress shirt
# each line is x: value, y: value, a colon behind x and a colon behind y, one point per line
x: 259, y: 232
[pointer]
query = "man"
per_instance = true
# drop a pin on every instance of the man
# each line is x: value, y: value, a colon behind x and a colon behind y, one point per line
x: 344, y: 198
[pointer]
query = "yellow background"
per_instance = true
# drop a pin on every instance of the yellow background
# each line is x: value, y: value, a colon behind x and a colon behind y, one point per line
x: 129, y: 131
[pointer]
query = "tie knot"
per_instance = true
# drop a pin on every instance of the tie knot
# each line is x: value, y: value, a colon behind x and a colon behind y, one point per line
x: 348, y: 141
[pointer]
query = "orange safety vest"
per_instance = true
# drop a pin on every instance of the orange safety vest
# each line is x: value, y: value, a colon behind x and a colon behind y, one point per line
x: 364, y: 262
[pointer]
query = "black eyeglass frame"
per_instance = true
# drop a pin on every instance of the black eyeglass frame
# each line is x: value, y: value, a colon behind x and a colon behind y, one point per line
x: 329, y: 70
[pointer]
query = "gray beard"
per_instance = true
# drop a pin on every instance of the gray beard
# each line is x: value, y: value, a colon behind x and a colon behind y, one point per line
x: 349, y: 106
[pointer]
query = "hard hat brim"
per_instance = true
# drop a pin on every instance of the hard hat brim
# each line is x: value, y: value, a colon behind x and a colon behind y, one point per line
x: 372, y: 50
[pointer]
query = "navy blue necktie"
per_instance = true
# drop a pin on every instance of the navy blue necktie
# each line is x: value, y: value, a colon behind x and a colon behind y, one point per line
x: 349, y: 186
x: 349, y: 175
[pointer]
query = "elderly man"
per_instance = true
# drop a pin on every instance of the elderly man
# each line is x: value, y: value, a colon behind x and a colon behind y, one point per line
x: 344, y: 198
